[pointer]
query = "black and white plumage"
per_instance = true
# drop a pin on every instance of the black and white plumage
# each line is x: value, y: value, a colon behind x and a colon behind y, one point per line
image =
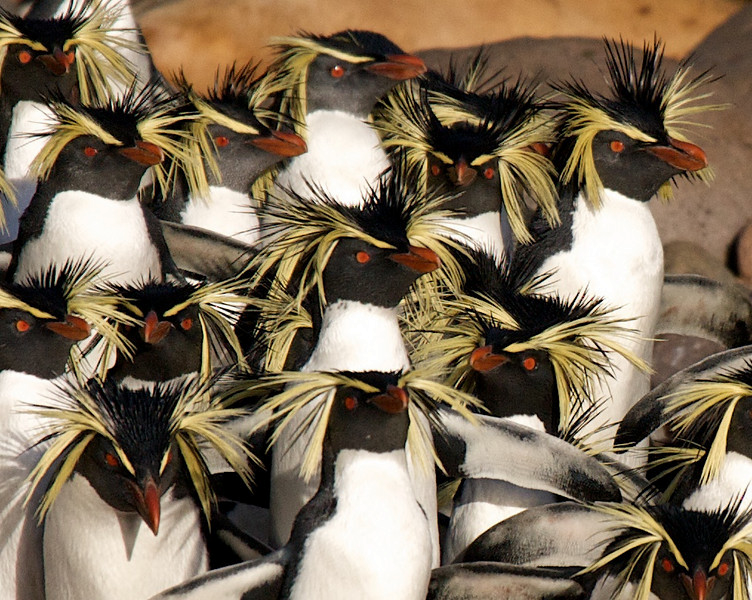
x: 235, y: 140
x: 332, y: 85
x: 69, y: 218
x: 127, y: 495
x: 75, y: 53
x: 615, y: 152
x: 482, y: 148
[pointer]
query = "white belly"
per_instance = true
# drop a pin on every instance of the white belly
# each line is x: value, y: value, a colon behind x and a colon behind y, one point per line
x: 21, y: 547
x: 92, y: 551
x: 344, y: 158
x: 734, y: 481
x: 482, y: 232
x: 80, y: 225
x: 377, y: 543
x: 616, y: 255
x: 225, y: 212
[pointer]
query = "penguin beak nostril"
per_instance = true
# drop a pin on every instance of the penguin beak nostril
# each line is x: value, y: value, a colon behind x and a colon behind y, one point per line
x: 681, y: 155
x: 398, y: 67
x: 281, y: 143
x: 144, y: 153
x: 73, y: 328
x: 483, y: 359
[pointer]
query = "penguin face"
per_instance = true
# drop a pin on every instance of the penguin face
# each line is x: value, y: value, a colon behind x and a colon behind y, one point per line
x: 29, y: 74
x: 638, y: 169
x: 354, y: 88
x: 376, y: 422
x: 242, y: 157
x: 476, y: 189
x: 671, y: 581
x: 155, y: 470
x: 84, y: 161
x: 514, y: 383
x: 39, y: 347
x: 360, y: 271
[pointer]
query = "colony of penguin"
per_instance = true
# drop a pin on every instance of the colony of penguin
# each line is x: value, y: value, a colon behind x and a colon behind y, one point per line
x: 345, y: 327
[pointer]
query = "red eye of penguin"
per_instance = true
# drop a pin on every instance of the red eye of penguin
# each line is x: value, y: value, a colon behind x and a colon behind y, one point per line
x: 337, y: 71
x: 111, y: 459
x: 488, y: 172
x: 616, y: 146
x: 667, y: 565
x: 435, y: 170
x: 723, y: 568
x: 530, y: 363
x: 351, y: 403
x: 22, y: 325
x: 186, y: 323
x: 362, y: 257
x: 90, y: 151
x: 24, y: 57
x: 221, y: 141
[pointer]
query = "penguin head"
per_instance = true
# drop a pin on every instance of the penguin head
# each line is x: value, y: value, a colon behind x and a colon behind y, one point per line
x: 373, y: 419
x: 121, y: 136
x: 484, y: 149
x: 237, y: 134
x: 133, y: 445
x: 630, y: 140
x: 677, y: 553
x: 347, y: 71
x: 177, y: 326
x: 73, y: 53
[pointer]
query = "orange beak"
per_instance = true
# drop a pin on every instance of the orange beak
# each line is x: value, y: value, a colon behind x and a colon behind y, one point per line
x: 399, y: 67
x: 461, y: 174
x: 681, y: 155
x: 393, y: 402
x: 147, y: 504
x: 58, y: 62
x: 420, y: 260
x: 281, y: 143
x: 144, y: 153
x: 154, y: 330
x: 483, y: 359
x: 73, y: 328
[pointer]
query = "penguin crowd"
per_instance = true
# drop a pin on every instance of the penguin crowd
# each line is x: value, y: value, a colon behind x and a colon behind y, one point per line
x: 348, y: 328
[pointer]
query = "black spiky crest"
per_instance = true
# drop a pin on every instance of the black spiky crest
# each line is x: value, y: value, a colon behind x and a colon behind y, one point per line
x: 141, y: 424
x: 146, y: 113
x: 643, y: 102
x: 688, y: 535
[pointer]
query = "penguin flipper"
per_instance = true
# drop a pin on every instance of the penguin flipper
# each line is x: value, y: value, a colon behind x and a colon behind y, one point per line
x: 498, y: 448
x: 564, y: 534
x: 705, y: 308
x: 490, y: 580
x: 259, y: 579
x: 205, y: 253
x: 651, y: 411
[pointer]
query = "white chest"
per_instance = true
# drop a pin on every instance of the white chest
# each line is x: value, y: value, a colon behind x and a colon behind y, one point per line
x: 344, y: 158
x: 226, y: 212
x: 377, y: 543
x: 734, y: 481
x: 29, y: 119
x: 92, y: 551
x: 616, y: 255
x: 21, y: 547
x: 80, y: 225
x: 482, y: 232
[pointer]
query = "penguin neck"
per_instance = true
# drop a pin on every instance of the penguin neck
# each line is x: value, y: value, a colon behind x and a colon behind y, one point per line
x: 354, y: 336
x: 94, y: 551
x: 482, y: 232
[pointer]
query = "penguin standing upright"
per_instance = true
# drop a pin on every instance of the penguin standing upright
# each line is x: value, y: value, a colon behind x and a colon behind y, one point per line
x: 480, y: 148
x: 72, y: 54
x: 615, y: 153
x: 73, y: 216
x: 41, y: 321
x: 236, y: 141
x: 127, y: 494
x: 333, y: 83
